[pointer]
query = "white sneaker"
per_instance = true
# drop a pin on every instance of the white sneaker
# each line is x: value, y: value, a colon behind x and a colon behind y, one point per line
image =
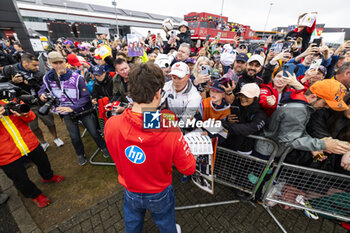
x: 45, y: 145
x: 58, y: 142
x: 178, y: 228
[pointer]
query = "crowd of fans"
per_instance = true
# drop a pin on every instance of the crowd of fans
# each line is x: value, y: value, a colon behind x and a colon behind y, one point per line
x: 281, y: 95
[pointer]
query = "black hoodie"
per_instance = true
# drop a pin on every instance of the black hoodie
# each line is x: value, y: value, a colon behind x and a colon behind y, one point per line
x: 184, y: 38
x: 244, y: 79
x: 104, y: 88
x: 251, y: 121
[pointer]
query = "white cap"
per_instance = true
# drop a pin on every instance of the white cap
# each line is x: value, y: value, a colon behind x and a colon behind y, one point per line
x: 184, y: 23
x: 257, y: 58
x: 180, y: 69
x: 163, y: 61
x: 250, y: 90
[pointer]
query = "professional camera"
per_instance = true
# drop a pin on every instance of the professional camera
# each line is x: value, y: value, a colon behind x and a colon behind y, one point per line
x: 26, y: 76
x: 17, y: 107
x: 11, y: 93
x: 52, y: 101
x: 79, y: 115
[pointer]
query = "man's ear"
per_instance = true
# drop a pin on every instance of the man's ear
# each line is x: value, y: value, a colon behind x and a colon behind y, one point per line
x: 260, y: 69
x: 311, y: 98
x: 158, y: 94
x: 25, y: 63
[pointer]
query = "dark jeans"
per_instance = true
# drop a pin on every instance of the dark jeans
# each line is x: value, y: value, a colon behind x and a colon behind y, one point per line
x: 161, y: 205
x: 18, y: 173
x: 89, y: 121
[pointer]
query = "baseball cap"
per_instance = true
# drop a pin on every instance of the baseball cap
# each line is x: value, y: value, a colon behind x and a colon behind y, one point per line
x: 215, y: 51
x: 55, y: 56
x: 180, y: 69
x: 98, y: 70
x: 190, y: 60
x: 215, y: 85
x: 163, y: 61
x: 67, y: 42
x: 73, y: 60
x: 242, y: 57
x: 332, y: 91
x: 257, y: 58
x: 82, y: 60
x: 250, y: 90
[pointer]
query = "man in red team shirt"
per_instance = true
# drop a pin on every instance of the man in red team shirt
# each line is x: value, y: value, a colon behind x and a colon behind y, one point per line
x: 144, y: 158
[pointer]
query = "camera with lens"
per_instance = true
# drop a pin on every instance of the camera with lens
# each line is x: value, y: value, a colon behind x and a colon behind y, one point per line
x: 17, y: 107
x: 26, y: 76
x: 11, y: 93
x: 79, y: 115
x: 52, y: 101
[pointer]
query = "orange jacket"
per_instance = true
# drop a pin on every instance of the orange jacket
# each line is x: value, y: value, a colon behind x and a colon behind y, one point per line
x: 210, y: 112
x: 16, y: 138
x: 218, y: 114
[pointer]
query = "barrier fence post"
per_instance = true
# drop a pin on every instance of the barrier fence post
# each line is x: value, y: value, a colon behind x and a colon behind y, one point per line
x: 226, y: 163
x: 91, y: 160
x: 312, y: 190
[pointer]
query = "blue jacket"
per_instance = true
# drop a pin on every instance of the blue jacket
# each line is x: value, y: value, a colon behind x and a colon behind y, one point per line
x: 302, y: 68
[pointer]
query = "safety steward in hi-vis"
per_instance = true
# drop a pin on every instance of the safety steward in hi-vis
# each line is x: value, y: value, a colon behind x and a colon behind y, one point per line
x: 17, y: 141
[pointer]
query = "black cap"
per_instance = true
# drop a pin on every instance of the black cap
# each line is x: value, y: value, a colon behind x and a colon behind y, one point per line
x: 242, y: 57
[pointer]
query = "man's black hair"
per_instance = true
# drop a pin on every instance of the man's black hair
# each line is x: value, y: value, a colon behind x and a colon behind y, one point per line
x: 118, y: 61
x: 121, y: 54
x: 28, y: 57
x: 18, y: 44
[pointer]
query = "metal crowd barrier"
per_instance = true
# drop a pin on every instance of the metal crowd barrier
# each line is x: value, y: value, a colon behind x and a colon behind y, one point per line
x: 92, y: 157
x: 240, y: 171
x: 314, y: 191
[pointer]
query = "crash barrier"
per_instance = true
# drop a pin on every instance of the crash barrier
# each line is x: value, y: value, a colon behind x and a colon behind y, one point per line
x: 317, y: 192
x: 240, y: 171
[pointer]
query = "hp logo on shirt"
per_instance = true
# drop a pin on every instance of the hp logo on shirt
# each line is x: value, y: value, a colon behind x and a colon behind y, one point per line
x: 151, y: 120
x: 135, y: 154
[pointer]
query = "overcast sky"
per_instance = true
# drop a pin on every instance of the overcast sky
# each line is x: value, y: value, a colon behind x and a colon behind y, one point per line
x: 334, y: 13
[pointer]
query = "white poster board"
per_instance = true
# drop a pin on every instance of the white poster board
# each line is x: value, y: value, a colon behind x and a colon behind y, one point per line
x: 308, y: 20
x: 36, y: 44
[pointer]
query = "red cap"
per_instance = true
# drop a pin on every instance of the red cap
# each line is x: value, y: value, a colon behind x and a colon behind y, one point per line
x: 73, y: 60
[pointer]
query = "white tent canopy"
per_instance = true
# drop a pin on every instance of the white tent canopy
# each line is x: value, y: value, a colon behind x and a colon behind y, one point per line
x: 332, y: 38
